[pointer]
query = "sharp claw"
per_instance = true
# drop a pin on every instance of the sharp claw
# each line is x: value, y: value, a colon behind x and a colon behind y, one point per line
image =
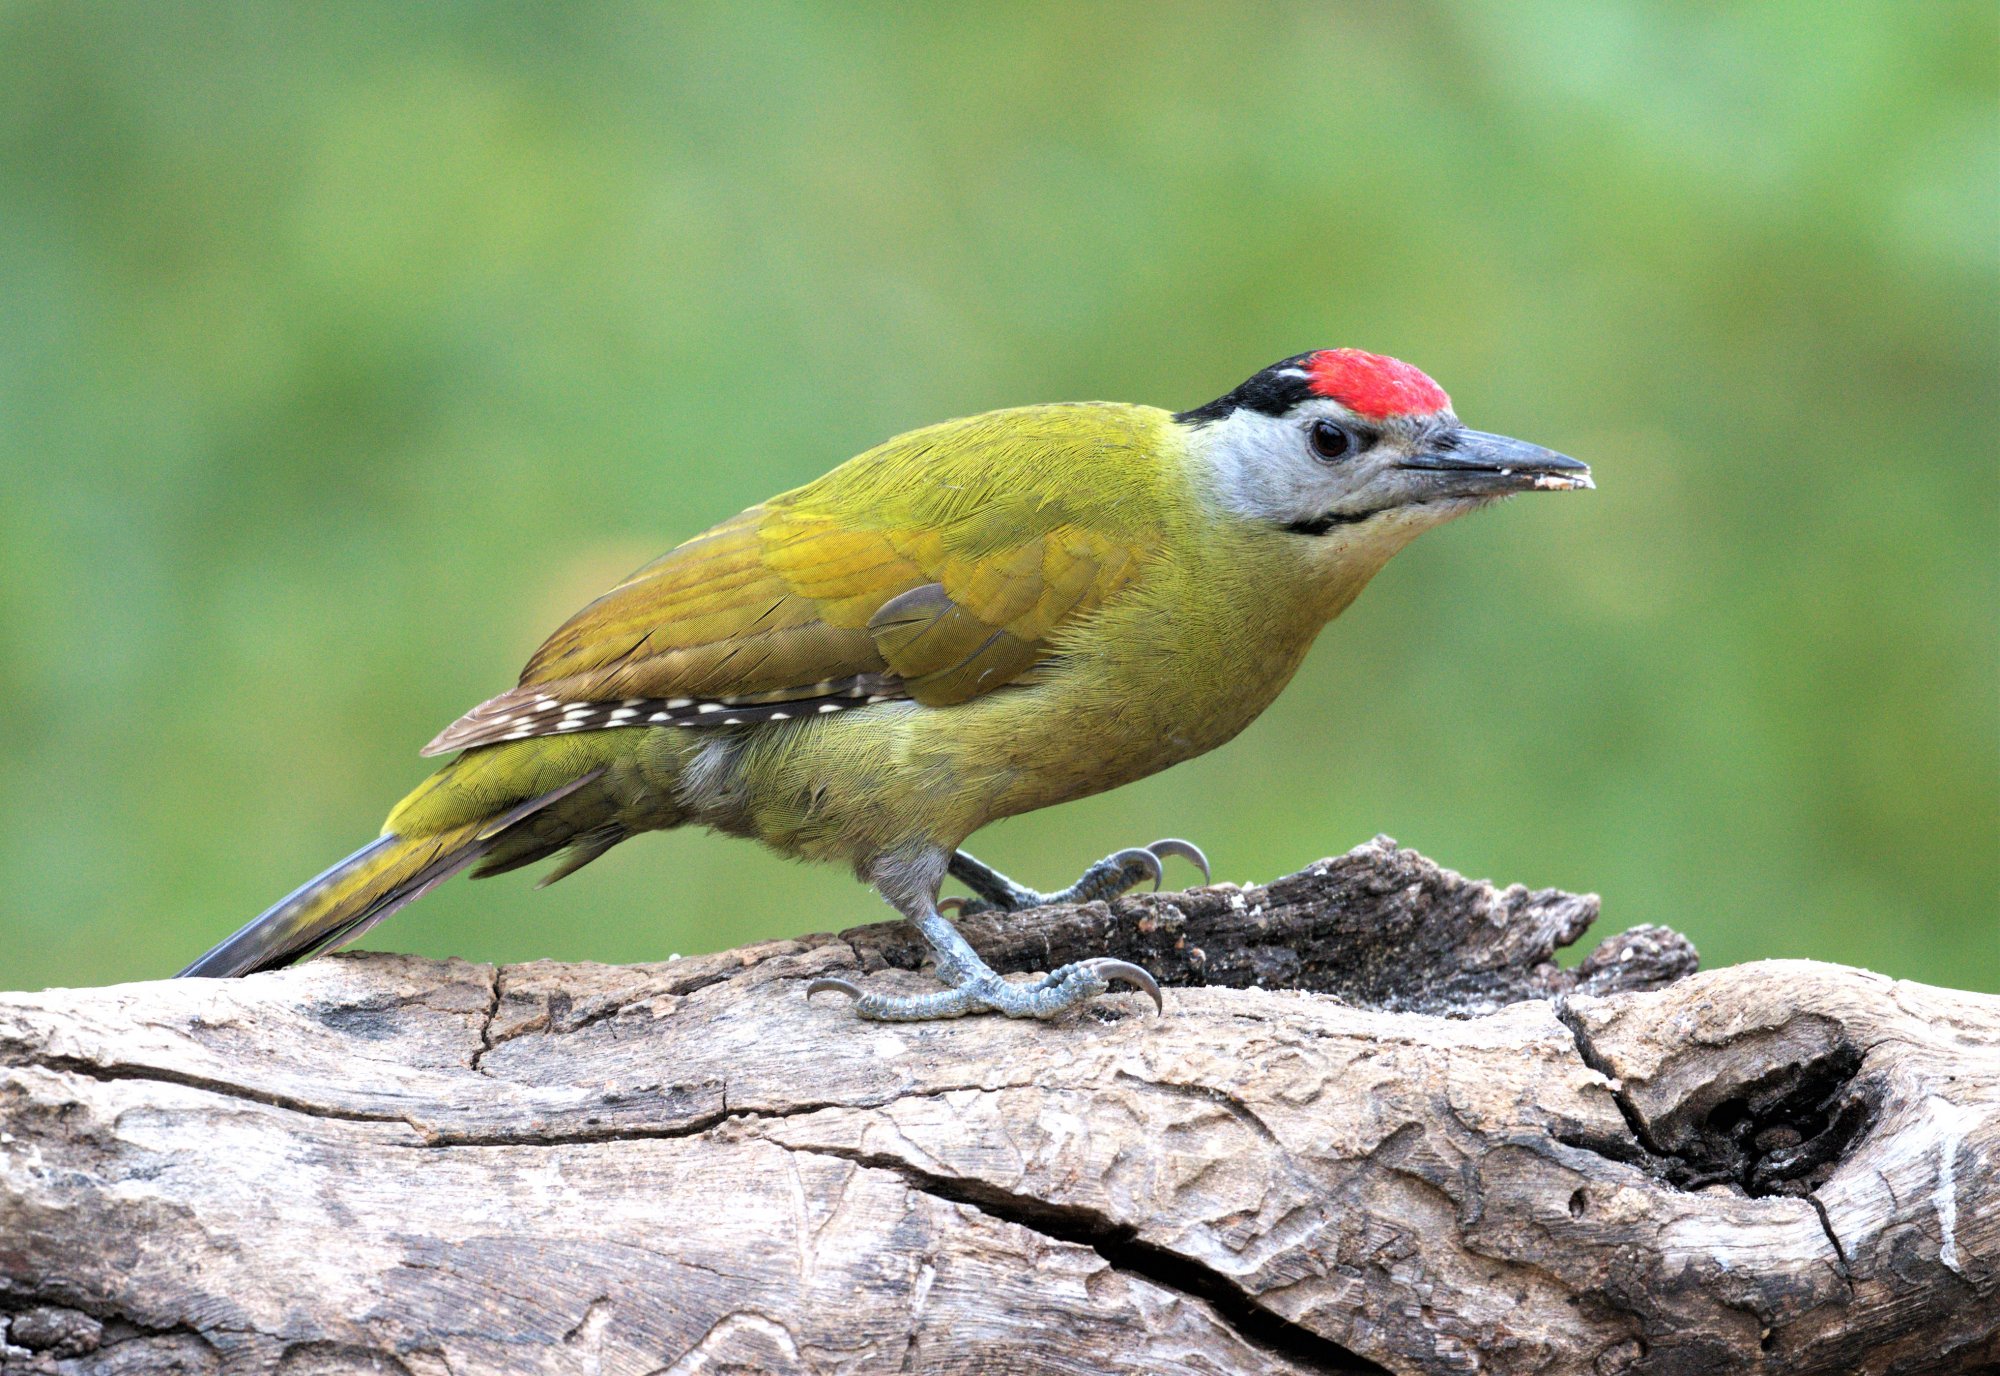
x: 1125, y: 972
x: 951, y: 905
x: 1145, y: 859
x: 838, y: 986
x: 1186, y: 850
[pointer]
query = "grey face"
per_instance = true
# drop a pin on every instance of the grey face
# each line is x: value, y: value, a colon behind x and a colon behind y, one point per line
x: 1318, y: 467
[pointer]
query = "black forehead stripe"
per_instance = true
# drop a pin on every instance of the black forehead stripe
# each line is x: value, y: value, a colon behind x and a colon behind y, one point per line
x: 1274, y: 391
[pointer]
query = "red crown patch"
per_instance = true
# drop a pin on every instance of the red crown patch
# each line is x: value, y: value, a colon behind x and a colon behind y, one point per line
x: 1374, y: 386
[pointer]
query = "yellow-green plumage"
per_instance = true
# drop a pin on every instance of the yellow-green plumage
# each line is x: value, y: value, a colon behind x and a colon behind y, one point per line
x: 970, y: 621
x: 1075, y: 573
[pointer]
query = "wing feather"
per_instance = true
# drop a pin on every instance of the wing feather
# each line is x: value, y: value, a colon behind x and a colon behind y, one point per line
x: 937, y: 567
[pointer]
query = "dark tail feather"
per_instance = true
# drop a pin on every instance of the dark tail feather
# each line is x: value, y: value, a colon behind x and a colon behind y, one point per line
x: 337, y: 906
x: 522, y: 849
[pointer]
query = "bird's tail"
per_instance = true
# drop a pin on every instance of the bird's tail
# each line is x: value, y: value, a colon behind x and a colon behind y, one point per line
x: 337, y: 906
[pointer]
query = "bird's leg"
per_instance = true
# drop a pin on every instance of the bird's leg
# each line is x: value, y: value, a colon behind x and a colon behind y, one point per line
x: 1114, y: 874
x: 910, y: 883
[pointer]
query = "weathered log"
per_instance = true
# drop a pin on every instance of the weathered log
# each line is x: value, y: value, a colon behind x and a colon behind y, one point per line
x: 1456, y: 1157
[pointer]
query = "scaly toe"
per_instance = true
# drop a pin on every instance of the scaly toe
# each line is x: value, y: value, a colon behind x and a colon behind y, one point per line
x: 1072, y: 986
x: 971, y: 997
x: 1110, y: 877
x: 1051, y: 996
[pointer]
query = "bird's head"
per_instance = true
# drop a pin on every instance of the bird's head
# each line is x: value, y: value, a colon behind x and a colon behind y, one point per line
x: 1345, y: 443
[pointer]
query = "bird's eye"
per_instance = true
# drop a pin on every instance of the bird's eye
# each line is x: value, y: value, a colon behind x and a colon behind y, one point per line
x: 1331, y: 441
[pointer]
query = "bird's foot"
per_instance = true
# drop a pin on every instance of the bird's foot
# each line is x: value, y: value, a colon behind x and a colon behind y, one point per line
x: 1107, y: 879
x: 909, y: 880
x: 985, y: 991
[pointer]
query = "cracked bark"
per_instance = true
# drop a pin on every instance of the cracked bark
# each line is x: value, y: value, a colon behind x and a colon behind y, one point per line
x: 1379, y: 1129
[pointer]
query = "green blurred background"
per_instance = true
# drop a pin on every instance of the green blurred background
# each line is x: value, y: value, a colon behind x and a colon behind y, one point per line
x: 344, y: 350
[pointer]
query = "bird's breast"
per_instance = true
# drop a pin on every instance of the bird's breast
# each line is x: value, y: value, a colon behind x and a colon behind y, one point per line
x: 1151, y: 687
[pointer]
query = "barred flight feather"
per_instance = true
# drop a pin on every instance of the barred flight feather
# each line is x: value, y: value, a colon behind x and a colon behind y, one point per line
x: 526, y: 712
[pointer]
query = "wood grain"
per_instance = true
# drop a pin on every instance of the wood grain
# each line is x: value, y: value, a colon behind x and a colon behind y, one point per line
x: 1378, y: 1129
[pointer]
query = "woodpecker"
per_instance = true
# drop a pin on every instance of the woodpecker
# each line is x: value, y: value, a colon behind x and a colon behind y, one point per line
x: 968, y: 622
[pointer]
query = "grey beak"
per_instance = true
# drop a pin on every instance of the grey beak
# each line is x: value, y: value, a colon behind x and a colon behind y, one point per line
x: 1476, y: 462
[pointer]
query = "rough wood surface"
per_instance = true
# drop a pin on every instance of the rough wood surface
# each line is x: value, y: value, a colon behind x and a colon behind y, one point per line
x: 1457, y: 1158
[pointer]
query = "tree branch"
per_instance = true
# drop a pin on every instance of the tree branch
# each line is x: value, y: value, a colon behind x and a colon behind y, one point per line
x: 1452, y: 1156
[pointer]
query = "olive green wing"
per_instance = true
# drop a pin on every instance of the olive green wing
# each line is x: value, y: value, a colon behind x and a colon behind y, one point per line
x: 937, y: 567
